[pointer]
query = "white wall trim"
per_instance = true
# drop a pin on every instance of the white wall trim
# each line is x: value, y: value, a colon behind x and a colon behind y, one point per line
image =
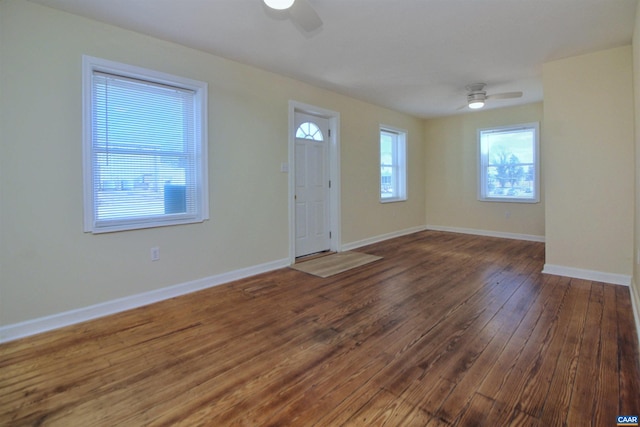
x: 579, y: 273
x: 488, y: 233
x: 381, y: 238
x: 635, y: 304
x: 59, y: 320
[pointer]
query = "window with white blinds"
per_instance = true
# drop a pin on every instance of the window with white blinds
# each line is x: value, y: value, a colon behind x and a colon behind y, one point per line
x: 145, y: 161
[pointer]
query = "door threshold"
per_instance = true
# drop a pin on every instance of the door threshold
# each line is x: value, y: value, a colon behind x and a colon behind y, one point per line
x: 315, y: 255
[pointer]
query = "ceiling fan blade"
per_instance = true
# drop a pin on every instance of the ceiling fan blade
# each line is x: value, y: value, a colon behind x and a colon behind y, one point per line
x: 505, y: 95
x: 462, y: 107
x: 304, y: 15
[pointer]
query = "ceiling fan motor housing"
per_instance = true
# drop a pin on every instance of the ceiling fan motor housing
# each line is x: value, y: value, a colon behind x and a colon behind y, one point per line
x: 477, y: 97
x: 476, y: 92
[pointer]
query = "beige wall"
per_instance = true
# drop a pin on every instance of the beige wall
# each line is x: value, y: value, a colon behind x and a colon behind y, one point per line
x: 48, y: 265
x: 451, y: 166
x: 588, y: 161
x: 363, y: 216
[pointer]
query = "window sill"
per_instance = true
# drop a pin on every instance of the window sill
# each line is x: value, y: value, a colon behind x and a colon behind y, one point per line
x: 393, y: 200
x: 509, y: 200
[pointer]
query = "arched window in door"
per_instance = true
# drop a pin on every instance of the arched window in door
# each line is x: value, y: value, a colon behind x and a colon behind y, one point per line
x: 309, y: 130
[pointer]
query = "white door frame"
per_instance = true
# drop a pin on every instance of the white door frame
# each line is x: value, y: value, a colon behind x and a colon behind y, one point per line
x: 334, y: 174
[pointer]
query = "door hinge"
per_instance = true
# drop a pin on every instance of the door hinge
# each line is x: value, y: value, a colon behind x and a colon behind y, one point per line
x: 329, y: 133
x: 329, y: 234
x: 329, y: 183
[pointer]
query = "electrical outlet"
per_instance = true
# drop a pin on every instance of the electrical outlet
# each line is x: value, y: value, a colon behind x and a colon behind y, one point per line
x: 155, y: 253
x: 507, y: 215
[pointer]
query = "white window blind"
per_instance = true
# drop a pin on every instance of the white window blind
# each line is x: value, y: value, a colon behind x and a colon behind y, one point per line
x: 145, y: 162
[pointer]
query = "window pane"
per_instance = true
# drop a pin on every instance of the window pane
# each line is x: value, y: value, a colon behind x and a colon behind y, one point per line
x: 508, y: 163
x: 143, y: 144
x: 518, y: 143
x: 392, y: 165
x: 387, y: 172
x: 135, y: 115
x: 308, y: 130
x: 386, y: 182
x: 386, y: 148
x: 134, y: 185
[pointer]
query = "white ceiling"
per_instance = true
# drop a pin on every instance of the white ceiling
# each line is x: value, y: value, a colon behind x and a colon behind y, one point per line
x: 414, y: 56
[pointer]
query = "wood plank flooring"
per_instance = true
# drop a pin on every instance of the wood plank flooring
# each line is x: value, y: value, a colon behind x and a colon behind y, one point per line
x: 446, y: 330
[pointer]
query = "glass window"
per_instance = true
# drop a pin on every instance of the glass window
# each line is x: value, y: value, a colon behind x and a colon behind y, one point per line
x: 393, y: 169
x: 508, y: 164
x: 144, y: 148
x: 308, y: 130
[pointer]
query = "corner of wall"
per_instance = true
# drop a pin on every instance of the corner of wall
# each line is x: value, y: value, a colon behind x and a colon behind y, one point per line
x: 635, y: 304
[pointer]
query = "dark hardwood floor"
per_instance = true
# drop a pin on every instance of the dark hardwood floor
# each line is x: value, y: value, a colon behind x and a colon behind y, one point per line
x: 446, y: 329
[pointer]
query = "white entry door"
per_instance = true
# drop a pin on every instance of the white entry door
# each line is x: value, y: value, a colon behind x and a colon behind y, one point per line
x: 311, y: 184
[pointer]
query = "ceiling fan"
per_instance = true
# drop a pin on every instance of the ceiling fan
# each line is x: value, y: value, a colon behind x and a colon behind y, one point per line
x: 477, y: 96
x: 300, y: 11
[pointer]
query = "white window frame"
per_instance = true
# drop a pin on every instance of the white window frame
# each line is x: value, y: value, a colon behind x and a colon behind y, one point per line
x: 398, y: 164
x: 484, y: 164
x: 200, y: 213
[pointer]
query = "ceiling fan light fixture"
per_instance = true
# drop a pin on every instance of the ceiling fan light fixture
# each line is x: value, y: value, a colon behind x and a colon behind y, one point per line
x: 476, y: 100
x: 477, y: 96
x: 279, y: 4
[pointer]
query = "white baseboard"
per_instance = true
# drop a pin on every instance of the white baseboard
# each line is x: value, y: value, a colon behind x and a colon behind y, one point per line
x: 59, y: 320
x: 380, y: 238
x: 488, y: 233
x: 579, y: 273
